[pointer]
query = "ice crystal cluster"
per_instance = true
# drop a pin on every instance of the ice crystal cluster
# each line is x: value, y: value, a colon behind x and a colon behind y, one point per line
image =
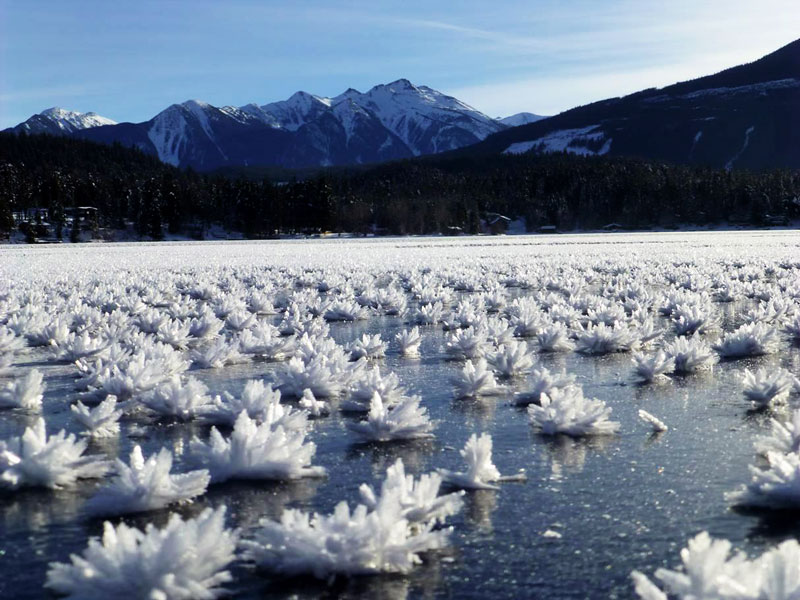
x: 710, y: 570
x: 185, y: 559
x: 386, y: 534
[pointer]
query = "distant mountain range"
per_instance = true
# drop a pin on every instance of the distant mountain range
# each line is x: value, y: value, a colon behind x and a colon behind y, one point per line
x: 391, y: 121
x: 744, y: 117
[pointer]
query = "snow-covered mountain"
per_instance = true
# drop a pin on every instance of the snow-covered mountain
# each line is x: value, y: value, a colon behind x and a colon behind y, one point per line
x: 61, y: 122
x: 390, y: 121
x: 522, y: 118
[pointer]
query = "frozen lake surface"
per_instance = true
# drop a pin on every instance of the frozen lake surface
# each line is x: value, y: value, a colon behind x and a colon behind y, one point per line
x: 593, y: 508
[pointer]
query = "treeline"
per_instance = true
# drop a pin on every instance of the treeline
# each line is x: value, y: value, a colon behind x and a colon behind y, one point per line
x: 133, y: 190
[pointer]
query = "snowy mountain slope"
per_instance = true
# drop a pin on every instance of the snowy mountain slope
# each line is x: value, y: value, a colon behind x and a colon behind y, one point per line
x: 743, y: 117
x: 57, y: 121
x: 388, y: 122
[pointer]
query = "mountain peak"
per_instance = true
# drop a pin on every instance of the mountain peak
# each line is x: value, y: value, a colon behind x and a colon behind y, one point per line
x: 195, y: 104
x: 522, y: 118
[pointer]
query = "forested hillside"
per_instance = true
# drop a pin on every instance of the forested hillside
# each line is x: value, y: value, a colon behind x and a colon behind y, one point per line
x: 135, y: 191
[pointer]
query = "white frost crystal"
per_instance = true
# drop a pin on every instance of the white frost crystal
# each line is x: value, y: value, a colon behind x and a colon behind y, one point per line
x: 256, y: 452
x: 385, y: 537
x: 568, y: 411
x: 777, y: 486
x: 511, y: 360
x: 146, y: 485
x: 754, y: 339
x: 181, y: 400
x: 650, y: 368
x: 691, y: 354
x: 657, y: 424
x: 418, y: 498
x: 25, y: 392
x: 784, y: 437
x: 184, y: 560
x: 406, y: 421
x: 711, y: 572
x: 36, y: 460
x: 476, y: 379
x: 315, y: 408
x: 409, y: 342
x: 102, y: 421
x: 542, y: 381
x: 481, y: 472
x: 766, y: 387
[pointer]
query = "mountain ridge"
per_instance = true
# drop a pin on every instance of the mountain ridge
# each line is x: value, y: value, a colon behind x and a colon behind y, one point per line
x: 741, y: 117
x: 389, y: 121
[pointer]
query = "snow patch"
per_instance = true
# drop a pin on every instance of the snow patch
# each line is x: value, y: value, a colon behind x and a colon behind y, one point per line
x: 729, y: 164
x: 574, y: 141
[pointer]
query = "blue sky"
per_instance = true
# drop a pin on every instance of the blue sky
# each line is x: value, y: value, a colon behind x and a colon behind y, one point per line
x: 129, y: 60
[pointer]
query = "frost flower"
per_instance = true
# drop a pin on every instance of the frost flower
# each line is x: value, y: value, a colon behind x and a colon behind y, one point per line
x: 650, y: 368
x: 476, y: 380
x: 25, y: 392
x: 511, y: 360
x: 765, y: 387
x: 256, y: 452
x: 542, y: 381
x: 754, y: 339
x: 406, y: 421
x: 146, y: 485
x: 569, y: 412
x: 554, y: 338
x: 602, y: 339
x: 481, y: 472
x: 777, y: 486
x: 409, y: 342
x: 315, y: 408
x: 36, y: 460
x: 784, y: 437
x: 102, y: 421
x: 183, y: 401
x: 368, y: 346
x: 419, y: 498
x: 691, y: 354
x: 184, y: 560
x: 710, y: 572
x: 358, y: 542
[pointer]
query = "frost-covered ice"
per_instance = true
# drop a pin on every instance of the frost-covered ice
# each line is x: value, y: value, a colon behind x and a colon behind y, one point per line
x: 260, y: 339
